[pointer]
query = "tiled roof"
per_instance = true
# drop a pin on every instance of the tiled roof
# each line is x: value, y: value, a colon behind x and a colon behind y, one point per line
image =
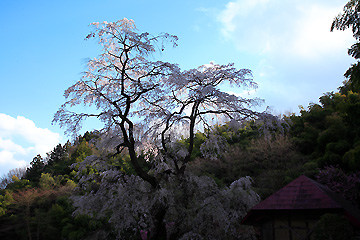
x: 302, y: 193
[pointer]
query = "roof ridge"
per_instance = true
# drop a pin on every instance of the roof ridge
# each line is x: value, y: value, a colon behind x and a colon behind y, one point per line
x: 299, y: 194
x: 304, y: 193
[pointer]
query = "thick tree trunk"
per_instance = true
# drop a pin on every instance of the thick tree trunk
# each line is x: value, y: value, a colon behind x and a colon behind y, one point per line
x: 160, y: 228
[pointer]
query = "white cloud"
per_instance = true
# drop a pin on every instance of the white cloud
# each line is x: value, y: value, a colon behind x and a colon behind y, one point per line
x: 235, y: 10
x: 21, y: 140
x: 296, y: 57
x: 12, y: 147
x: 313, y: 37
x: 297, y: 27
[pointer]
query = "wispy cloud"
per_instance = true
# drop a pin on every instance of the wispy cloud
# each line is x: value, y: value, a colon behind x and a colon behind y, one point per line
x: 21, y: 140
x: 238, y: 10
x: 300, y: 28
x: 297, y: 57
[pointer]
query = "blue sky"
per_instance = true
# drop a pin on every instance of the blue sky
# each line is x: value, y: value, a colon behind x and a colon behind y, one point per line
x: 287, y: 44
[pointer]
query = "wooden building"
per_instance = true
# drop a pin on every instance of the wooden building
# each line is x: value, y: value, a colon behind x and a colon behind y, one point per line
x: 292, y: 212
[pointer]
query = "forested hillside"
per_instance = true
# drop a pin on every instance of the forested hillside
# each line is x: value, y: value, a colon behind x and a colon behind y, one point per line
x: 178, y: 158
x: 38, y: 201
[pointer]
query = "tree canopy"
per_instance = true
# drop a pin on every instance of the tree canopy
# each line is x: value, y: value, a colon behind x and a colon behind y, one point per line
x: 149, y: 105
x: 140, y: 100
x: 175, y: 153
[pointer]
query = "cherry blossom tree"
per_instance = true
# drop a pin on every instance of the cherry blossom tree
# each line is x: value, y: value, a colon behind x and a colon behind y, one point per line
x: 148, y: 104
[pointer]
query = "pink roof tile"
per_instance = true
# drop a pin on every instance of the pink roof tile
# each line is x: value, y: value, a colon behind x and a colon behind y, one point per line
x: 302, y: 193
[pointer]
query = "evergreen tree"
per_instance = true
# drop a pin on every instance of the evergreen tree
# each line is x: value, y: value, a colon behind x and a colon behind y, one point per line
x: 33, y: 173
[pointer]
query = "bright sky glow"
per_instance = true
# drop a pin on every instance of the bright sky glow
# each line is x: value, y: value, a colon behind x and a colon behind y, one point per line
x: 287, y: 44
x: 21, y: 140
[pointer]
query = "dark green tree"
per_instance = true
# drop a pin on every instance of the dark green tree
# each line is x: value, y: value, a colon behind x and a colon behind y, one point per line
x: 329, y: 132
x: 33, y: 173
x: 350, y: 19
x: 56, y: 155
x: 58, y: 161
